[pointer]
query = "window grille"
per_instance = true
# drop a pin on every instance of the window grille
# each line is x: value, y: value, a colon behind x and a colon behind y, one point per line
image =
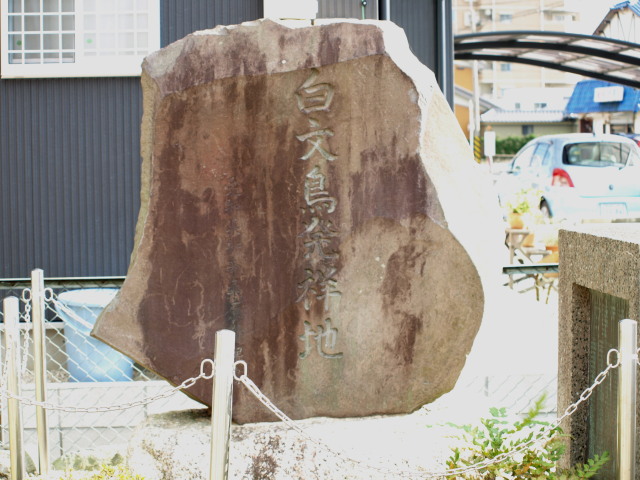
x: 59, y: 38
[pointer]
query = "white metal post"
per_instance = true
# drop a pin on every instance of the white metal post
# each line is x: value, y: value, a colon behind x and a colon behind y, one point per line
x: 627, y: 391
x: 221, y: 404
x: 11, y: 311
x: 40, y: 366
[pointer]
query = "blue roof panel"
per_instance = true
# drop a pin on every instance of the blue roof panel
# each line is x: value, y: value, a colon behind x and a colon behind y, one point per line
x: 633, y: 6
x: 582, y: 99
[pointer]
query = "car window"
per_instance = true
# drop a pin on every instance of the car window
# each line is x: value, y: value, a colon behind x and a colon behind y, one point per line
x: 539, y: 154
x: 600, y: 154
x: 523, y: 158
x: 634, y: 158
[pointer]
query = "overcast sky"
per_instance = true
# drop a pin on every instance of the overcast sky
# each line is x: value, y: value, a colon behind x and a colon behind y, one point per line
x: 592, y: 12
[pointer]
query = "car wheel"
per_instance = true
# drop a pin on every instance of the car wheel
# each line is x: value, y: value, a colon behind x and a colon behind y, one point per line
x: 544, y: 209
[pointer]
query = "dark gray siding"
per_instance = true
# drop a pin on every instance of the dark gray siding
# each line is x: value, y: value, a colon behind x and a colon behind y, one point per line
x: 429, y: 28
x: 348, y: 9
x: 70, y: 175
x: 182, y: 17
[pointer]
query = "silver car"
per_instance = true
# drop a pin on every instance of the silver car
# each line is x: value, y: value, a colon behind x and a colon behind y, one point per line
x: 579, y: 175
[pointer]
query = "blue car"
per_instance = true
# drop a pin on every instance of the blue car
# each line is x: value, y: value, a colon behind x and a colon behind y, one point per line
x: 578, y: 176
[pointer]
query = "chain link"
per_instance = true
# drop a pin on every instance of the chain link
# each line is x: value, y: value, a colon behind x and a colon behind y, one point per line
x: 61, y: 307
x: 188, y: 383
x: 26, y: 295
x: 48, y: 294
x: 541, y: 436
x: 26, y: 299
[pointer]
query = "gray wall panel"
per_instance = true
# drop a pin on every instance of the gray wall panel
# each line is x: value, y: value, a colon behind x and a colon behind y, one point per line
x: 70, y: 175
x: 429, y: 28
x: 181, y: 17
x: 347, y: 9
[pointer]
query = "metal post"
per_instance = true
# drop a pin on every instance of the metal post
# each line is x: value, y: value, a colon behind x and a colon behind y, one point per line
x: 12, y: 357
x: 627, y: 390
x: 40, y: 366
x: 221, y: 404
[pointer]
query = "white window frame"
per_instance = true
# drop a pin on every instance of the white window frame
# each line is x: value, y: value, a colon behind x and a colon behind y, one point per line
x: 83, y: 65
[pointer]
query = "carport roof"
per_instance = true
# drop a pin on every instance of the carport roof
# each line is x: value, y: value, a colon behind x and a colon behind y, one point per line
x: 602, y: 58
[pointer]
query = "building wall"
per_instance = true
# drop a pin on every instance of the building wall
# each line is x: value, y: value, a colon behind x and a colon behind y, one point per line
x: 463, y: 117
x: 69, y: 148
x: 69, y: 183
x: 347, y: 9
x: 70, y: 176
x: 463, y: 77
x: 515, y: 130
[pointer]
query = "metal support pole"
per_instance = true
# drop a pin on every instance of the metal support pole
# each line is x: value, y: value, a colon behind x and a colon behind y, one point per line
x: 385, y: 10
x: 221, y: 404
x: 40, y: 366
x: 627, y: 390
x: 12, y: 357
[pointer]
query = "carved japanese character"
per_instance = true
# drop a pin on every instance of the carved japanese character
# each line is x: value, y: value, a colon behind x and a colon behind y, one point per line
x: 315, y: 194
x: 318, y: 235
x: 319, y: 284
x: 314, y: 97
x: 318, y: 141
x: 328, y: 336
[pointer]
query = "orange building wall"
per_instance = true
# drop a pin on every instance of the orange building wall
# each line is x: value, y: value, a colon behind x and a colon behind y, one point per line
x: 462, y: 76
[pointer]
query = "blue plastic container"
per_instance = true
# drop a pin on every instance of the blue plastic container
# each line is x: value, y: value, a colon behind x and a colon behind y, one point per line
x: 90, y: 360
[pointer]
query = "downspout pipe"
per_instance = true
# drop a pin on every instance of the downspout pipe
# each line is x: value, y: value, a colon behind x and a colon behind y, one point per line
x: 445, y: 49
x: 385, y: 9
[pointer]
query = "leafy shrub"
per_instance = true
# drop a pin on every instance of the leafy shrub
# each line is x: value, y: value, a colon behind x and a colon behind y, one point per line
x: 497, y: 436
x: 511, y: 145
x: 524, y: 201
x: 88, y: 461
x: 119, y: 472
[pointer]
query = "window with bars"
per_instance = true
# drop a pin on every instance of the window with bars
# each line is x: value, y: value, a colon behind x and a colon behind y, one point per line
x: 67, y: 38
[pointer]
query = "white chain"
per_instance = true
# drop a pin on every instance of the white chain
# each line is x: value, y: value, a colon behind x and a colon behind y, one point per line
x: 26, y: 299
x: 253, y: 388
x: 188, y: 383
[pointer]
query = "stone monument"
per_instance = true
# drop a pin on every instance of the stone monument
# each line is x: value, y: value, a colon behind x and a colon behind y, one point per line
x: 308, y: 187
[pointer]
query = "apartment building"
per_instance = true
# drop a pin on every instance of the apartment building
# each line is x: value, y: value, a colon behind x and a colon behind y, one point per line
x: 497, y: 78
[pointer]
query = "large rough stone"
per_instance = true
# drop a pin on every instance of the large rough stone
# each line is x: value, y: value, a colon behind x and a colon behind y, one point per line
x: 309, y: 188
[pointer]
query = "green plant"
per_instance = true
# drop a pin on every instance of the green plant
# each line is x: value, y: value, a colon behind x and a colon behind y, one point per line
x: 511, y: 145
x: 118, y: 472
x: 524, y: 201
x: 86, y: 461
x: 496, y: 436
